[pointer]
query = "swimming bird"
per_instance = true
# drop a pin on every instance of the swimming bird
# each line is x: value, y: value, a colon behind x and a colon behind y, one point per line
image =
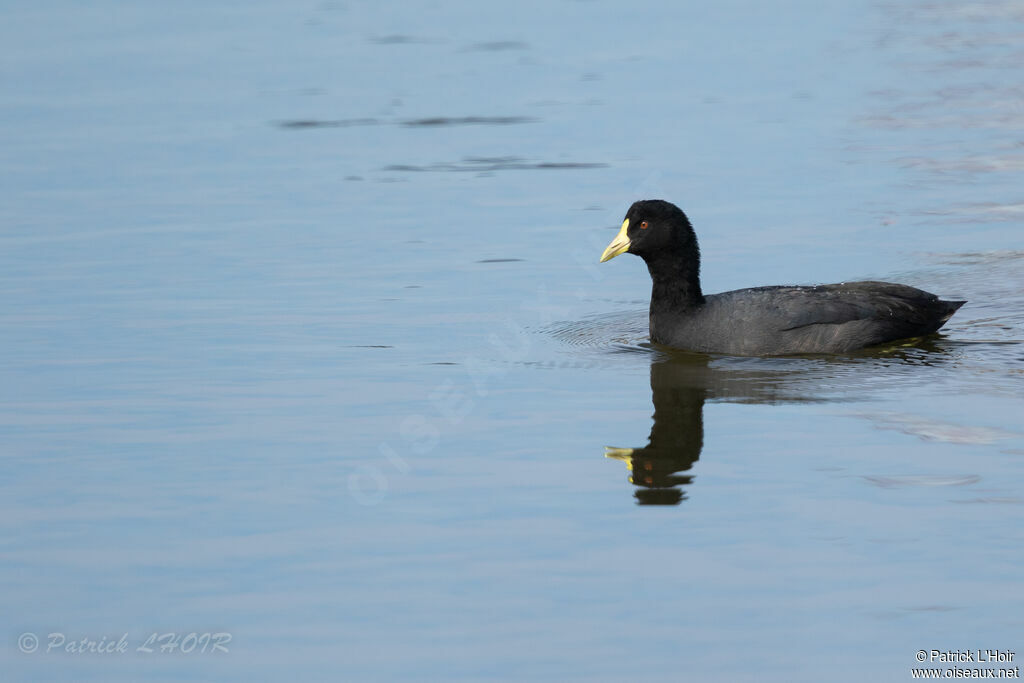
x: 763, y: 321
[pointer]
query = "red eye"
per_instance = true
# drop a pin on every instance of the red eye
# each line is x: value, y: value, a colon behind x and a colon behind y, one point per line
x: 643, y: 225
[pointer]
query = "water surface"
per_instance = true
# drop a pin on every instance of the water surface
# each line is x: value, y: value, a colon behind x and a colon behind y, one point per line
x: 303, y: 339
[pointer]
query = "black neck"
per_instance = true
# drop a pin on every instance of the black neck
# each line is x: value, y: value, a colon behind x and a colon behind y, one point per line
x: 676, y: 282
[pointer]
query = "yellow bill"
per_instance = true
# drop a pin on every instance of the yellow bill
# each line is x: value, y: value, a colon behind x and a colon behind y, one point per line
x: 618, y: 245
x: 623, y: 454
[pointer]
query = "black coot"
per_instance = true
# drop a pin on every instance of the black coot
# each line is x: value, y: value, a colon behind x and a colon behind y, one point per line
x: 763, y: 321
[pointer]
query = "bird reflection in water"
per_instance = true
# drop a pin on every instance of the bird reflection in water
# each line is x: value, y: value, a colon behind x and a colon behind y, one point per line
x: 660, y: 469
x: 681, y: 383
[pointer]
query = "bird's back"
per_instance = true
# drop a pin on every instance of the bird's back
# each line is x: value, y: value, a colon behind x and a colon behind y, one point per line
x: 786, y: 320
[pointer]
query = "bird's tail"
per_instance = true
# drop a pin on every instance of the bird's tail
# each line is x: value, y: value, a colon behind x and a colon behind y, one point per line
x: 951, y: 308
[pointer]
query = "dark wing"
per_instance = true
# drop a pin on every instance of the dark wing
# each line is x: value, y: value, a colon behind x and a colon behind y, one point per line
x: 901, y: 306
x: 828, y: 318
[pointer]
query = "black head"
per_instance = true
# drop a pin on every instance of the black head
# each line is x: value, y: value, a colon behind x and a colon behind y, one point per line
x: 654, y: 228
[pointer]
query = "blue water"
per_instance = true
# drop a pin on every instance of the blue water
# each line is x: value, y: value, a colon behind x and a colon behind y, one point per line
x: 303, y: 340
